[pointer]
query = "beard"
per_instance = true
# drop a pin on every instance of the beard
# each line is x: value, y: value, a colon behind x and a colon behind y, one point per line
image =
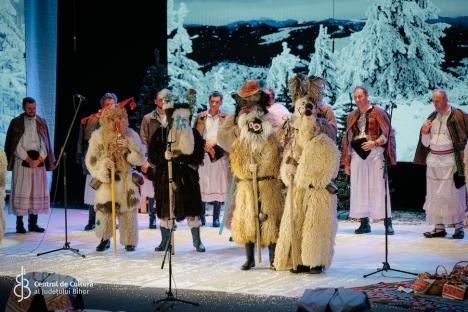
x: 254, y: 140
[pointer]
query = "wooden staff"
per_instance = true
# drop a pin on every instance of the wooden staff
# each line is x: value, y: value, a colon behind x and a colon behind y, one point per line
x: 114, y: 232
x: 291, y: 220
x: 257, y: 210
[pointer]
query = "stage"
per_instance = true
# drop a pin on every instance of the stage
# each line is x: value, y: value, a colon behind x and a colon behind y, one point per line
x: 218, y: 269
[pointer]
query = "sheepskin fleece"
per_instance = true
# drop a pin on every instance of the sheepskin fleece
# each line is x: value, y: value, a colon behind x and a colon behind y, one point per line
x: 3, y: 170
x: 243, y: 226
x: 127, y: 195
x: 465, y: 162
x: 314, y: 213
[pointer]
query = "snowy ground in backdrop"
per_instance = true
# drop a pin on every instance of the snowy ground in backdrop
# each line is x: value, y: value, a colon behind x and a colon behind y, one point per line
x: 218, y: 268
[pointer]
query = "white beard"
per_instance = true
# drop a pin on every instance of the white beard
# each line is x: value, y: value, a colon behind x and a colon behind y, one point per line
x: 255, y: 141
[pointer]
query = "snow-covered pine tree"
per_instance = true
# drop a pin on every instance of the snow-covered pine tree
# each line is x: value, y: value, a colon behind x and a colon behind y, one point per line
x: 184, y: 73
x: 282, y: 68
x: 322, y: 64
x: 12, y: 66
x: 398, y: 52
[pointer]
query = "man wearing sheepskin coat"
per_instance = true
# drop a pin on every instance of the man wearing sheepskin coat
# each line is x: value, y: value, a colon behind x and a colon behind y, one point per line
x: 114, y: 144
x: 3, y: 170
x: 256, y: 150
x: 186, y: 154
x: 310, y: 163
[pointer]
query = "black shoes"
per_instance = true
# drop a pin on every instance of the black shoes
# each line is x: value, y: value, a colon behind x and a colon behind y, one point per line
x: 103, y: 245
x: 300, y: 269
x: 32, y: 226
x: 165, y: 236
x: 364, y: 227
x: 197, y: 243
x: 130, y: 248
x: 19, y: 225
x: 91, y: 219
x: 249, y: 253
x: 458, y: 234
x: 271, y: 254
x: 435, y: 233
x: 316, y: 270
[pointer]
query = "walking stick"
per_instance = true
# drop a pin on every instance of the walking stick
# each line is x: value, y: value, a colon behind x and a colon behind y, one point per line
x: 291, y: 220
x: 114, y: 232
x: 257, y: 220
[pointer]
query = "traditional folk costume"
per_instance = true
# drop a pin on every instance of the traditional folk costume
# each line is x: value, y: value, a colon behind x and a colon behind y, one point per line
x: 310, y: 163
x: 28, y: 139
x: 441, y: 150
x: 102, y: 148
x: 214, y: 172
x: 367, y: 182
x: 3, y: 171
x: 149, y: 124
x: 256, y: 144
x: 188, y: 151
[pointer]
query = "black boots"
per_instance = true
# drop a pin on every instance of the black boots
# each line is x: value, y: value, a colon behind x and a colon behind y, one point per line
x: 459, y: 233
x: 91, y: 219
x: 20, y: 225
x: 388, y: 226
x: 197, y: 243
x: 151, y: 213
x: 130, y: 248
x: 216, y: 211
x: 364, y: 227
x: 165, y: 236
x: 249, y: 253
x: 271, y: 253
x: 32, y: 224
x: 103, y: 245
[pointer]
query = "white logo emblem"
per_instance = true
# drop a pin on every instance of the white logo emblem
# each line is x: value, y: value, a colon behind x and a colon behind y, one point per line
x: 22, y: 290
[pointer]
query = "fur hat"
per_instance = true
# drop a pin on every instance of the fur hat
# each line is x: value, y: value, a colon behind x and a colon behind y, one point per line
x: 250, y: 93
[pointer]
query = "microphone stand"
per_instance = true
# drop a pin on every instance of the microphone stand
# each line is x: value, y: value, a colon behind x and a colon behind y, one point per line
x: 66, y: 245
x: 386, y: 266
x: 170, y: 297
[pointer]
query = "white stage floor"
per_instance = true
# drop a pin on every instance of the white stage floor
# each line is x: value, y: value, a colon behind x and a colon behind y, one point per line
x: 218, y: 269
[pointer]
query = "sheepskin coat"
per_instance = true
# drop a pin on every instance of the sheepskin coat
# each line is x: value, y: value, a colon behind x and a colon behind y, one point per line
x: 313, y: 226
x: 185, y: 174
x: 3, y: 170
x: 266, y: 153
x: 126, y: 191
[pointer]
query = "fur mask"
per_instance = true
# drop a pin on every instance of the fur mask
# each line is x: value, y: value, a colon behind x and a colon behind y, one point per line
x: 181, y: 133
x: 255, y: 129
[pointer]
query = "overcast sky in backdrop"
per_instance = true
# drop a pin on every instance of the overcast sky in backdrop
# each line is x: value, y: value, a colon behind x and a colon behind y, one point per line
x: 221, y: 12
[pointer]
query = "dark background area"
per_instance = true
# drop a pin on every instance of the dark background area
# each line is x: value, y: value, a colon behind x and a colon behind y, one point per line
x: 115, y: 43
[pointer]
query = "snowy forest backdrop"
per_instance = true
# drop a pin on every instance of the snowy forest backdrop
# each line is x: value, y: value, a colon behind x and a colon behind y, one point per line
x: 401, y: 52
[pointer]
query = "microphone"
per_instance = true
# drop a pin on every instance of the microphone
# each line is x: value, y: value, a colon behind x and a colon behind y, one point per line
x: 82, y: 98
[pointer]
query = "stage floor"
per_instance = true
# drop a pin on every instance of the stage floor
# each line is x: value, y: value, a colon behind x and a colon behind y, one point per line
x: 218, y: 269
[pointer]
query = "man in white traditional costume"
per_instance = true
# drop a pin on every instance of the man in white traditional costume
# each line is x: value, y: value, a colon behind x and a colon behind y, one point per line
x: 115, y: 145
x: 367, y: 139
x: 214, y: 170
x: 29, y: 155
x: 441, y: 145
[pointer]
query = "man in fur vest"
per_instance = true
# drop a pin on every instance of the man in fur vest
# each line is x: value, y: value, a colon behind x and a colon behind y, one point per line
x: 256, y: 150
x: 367, y: 139
x: 115, y: 145
x: 310, y: 163
x: 215, y: 168
x: 3, y: 171
x: 186, y: 154
x: 30, y: 156
x: 440, y: 147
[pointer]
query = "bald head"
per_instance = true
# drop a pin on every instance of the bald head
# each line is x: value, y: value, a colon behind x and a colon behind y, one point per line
x: 440, y: 101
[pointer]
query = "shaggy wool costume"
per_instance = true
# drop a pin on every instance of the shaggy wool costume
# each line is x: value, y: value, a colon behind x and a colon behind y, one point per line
x: 314, y: 207
x: 265, y: 148
x: 3, y: 169
x: 126, y: 190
